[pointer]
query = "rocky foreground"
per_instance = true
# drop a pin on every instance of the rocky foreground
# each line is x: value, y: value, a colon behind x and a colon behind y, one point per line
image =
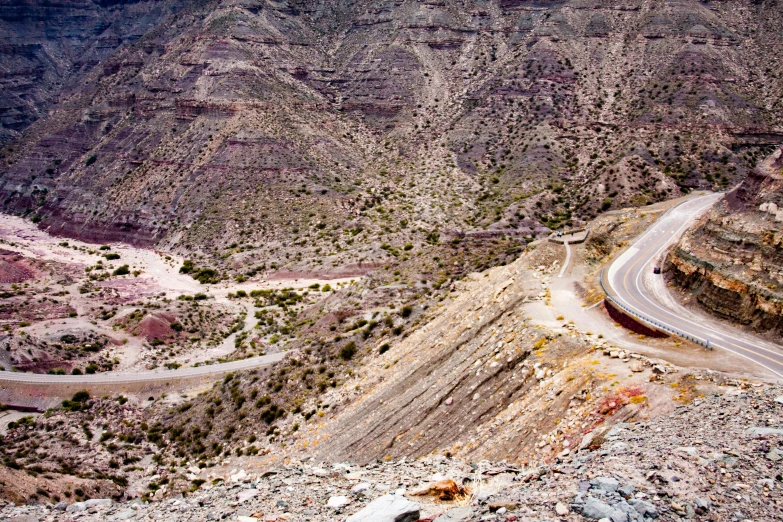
x: 718, y: 458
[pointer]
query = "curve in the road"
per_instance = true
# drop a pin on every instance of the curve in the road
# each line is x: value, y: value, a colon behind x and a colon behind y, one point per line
x: 144, y: 377
x: 625, y: 278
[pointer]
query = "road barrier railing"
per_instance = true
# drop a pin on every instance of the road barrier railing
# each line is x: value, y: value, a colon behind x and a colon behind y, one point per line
x: 649, y: 321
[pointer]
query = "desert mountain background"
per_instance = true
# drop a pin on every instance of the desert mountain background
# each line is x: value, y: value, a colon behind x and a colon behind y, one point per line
x: 310, y: 134
x: 363, y: 192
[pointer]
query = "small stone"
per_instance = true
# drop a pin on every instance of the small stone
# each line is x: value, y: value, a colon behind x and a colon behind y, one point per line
x: 458, y: 514
x: 644, y: 508
x: 361, y: 489
x: 60, y: 506
x: 597, y: 510
x: 561, y: 509
x: 388, y: 508
x: 337, y: 502
x: 247, y: 494
x: 702, y: 506
x: 626, y: 490
x: 243, y: 518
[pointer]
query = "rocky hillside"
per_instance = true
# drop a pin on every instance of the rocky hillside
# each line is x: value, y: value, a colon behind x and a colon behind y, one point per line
x: 47, y: 47
x: 731, y: 264
x: 315, y: 134
x: 465, y: 373
x: 728, y: 468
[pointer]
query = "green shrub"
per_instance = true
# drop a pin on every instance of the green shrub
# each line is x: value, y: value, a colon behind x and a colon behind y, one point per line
x: 187, y: 267
x: 78, y: 402
x: 348, y: 351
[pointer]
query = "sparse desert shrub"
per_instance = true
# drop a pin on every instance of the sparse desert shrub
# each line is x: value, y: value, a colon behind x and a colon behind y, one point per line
x: 79, y: 402
x: 348, y: 351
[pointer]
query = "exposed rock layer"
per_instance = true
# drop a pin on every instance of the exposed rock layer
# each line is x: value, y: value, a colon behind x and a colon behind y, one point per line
x: 732, y: 262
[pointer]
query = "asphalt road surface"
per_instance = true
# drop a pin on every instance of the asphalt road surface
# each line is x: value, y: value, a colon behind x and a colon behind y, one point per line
x: 143, y: 377
x: 625, y: 284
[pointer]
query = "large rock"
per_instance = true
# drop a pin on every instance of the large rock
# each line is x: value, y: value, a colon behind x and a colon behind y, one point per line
x: 760, y: 431
x: 607, y: 484
x: 388, y: 508
x: 644, y: 508
x: 76, y: 507
x: 597, y: 510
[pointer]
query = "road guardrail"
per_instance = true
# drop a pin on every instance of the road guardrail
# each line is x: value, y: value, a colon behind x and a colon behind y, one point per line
x: 649, y: 321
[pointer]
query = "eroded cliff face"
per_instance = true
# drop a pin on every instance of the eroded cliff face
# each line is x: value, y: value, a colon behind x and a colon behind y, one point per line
x: 47, y: 47
x: 732, y: 262
x: 286, y: 127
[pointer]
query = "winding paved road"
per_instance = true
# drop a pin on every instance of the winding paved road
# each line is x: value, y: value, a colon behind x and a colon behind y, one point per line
x: 625, y: 283
x: 143, y: 377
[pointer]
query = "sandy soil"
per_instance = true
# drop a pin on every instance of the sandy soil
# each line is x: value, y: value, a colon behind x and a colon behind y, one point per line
x: 159, y: 276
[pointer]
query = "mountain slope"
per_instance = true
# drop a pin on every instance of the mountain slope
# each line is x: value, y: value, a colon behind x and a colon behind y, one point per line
x: 400, y: 119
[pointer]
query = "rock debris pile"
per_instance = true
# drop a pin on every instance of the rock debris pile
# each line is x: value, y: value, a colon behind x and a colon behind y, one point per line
x: 728, y: 466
